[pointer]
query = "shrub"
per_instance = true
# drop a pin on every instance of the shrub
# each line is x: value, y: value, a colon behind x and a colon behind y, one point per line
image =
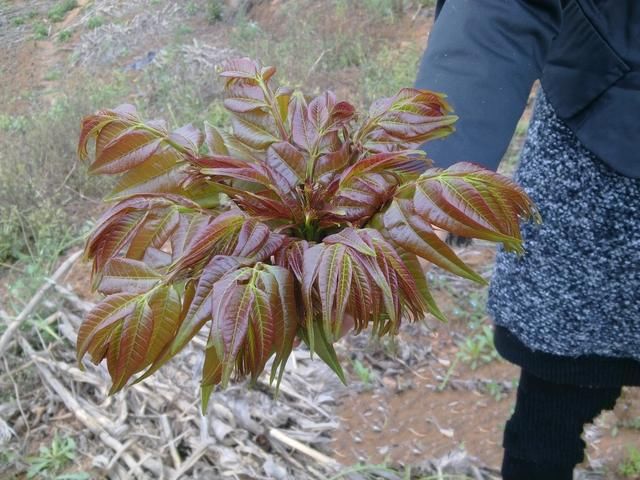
x: 305, y: 221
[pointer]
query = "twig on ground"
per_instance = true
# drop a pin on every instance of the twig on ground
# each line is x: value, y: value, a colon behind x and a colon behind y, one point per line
x: 35, y: 300
x: 166, y: 428
x: 82, y: 415
x: 301, y: 447
x: 200, y: 450
x: 18, y: 402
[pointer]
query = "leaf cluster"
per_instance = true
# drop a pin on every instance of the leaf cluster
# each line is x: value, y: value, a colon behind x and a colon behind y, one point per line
x: 303, y: 221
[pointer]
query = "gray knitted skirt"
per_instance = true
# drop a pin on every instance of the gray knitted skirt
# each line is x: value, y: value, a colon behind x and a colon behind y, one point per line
x: 576, y: 290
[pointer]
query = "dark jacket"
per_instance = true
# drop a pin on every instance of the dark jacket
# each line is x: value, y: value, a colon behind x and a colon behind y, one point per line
x: 486, y: 54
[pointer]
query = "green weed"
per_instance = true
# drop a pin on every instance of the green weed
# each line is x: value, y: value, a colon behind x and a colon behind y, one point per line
x: 40, y: 31
x: 633, y: 424
x: 307, y: 45
x: 53, y: 459
x: 215, y: 11
x: 495, y: 390
x: 64, y: 36
x: 192, y: 8
x: 95, y: 22
x: 217, y: 115
x: 365, y: 374
x: 13, y: 123
x: 630, y: 466
x: 35, y: 238
x: 52, y: 75
x: 183, y: 30
x: 58, y: 11
x: 478, y: 349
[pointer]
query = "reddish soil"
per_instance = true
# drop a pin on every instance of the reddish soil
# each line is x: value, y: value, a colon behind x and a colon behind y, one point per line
x: 422, y: 422
x: 406, y: 418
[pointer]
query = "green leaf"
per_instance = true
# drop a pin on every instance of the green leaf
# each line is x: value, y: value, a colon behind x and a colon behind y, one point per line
x: 323, y: 348
x: 214, y: 140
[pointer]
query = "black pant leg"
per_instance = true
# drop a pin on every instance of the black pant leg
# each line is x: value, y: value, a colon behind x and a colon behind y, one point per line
x: 542, y: 440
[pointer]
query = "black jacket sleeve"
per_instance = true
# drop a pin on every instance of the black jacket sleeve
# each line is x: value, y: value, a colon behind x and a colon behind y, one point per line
x: 485, y: 55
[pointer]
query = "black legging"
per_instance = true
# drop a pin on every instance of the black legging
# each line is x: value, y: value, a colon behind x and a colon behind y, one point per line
x: 542, y: 440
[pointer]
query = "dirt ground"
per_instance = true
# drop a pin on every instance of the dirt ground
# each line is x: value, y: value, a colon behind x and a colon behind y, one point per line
x: 408, y: 400
x: 406, y: 413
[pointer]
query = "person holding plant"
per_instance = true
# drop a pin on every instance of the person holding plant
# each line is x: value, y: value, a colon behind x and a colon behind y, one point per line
x: 568, y: 310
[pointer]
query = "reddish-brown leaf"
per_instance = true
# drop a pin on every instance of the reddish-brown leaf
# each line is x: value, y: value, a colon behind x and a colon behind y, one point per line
x: 165, y: 307
x: 413, y: 234
x: 239, y: 68
x: 211, y: 239
x: 137, y: 330
x: 126, y: 151
x: 124, y: 275
x: 187, y: 138
x: 299, y: 223
x: 402, y: 162
x: 156, y: 230
x: 103, y: 315
x: 244, y: 98
x: 288, y: 161
x: 473, y: 202
x: 255, y: 129
x: 163, y: 172
x: 303, y: 132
